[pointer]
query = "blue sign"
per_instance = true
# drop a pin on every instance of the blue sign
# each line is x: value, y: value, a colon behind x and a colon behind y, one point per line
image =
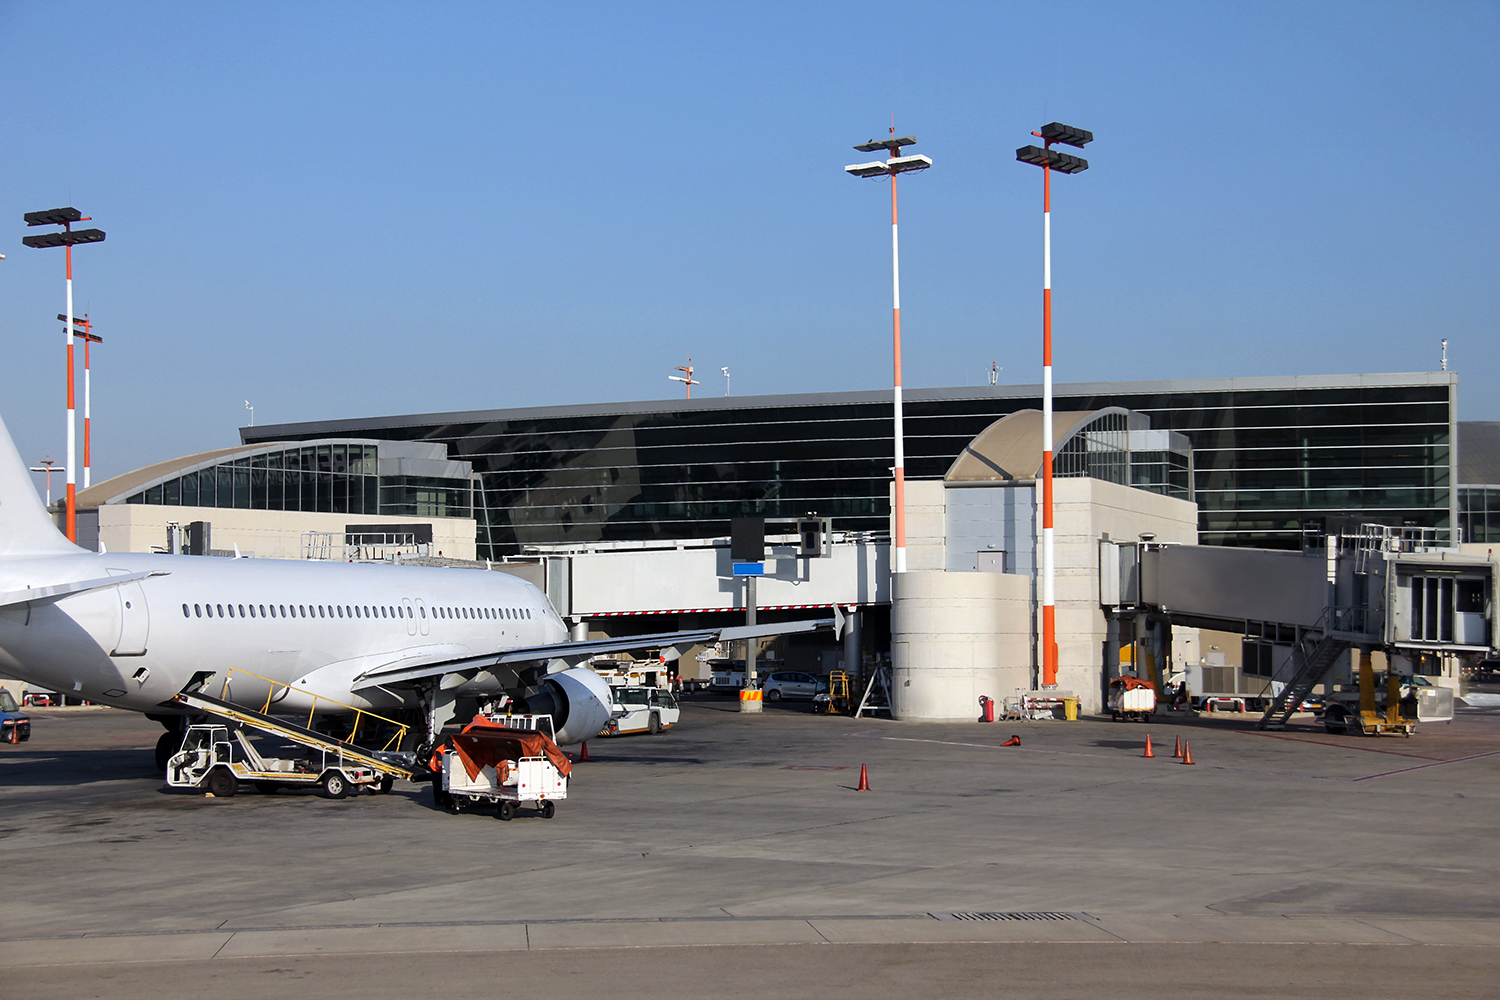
x: 750, y: 569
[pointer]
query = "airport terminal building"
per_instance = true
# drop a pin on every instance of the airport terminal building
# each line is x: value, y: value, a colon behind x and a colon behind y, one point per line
x: 1271, y: 457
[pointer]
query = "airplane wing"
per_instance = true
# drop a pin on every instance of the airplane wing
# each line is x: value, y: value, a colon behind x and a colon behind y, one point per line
x: 583, y: 649
x: 36, y: 595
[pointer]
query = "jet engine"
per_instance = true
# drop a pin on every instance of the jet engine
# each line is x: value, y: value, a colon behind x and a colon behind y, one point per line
x: 578, y: 701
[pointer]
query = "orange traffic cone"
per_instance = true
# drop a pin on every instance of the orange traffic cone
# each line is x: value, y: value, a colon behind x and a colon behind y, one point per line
x: 1187, y: 753
x: 864, y: 780
x: 1014, y: 741
x: 1149, y: 752
x: 1177, y: 749
x: 584, y: 754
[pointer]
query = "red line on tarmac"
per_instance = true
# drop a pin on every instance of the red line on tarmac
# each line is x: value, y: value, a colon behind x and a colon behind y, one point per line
x: 1418, y: 767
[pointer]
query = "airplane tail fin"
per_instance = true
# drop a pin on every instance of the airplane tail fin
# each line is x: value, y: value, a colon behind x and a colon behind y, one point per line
x: 26, y: 529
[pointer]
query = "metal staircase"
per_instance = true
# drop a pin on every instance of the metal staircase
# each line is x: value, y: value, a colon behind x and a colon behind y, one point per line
x: 1318, y: 652
x: 344, y: 751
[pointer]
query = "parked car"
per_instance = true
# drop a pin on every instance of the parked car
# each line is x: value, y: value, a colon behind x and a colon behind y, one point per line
x: 15, y: 725
x: 793, y: 685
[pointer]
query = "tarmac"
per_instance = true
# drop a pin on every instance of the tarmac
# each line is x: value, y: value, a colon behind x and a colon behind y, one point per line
x: 732, y: 856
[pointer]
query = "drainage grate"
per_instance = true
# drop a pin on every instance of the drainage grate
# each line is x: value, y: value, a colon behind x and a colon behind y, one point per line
x: 1014, y: 915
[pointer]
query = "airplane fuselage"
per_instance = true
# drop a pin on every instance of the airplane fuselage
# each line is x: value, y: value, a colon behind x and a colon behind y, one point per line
x: 136, y: 645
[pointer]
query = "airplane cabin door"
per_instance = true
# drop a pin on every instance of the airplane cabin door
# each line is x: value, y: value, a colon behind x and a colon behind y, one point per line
x: 135, y: 618
x: 411, y: 616
x: 421, y: 616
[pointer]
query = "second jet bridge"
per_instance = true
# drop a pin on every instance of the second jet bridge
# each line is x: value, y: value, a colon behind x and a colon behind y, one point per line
x: 1383, y: 588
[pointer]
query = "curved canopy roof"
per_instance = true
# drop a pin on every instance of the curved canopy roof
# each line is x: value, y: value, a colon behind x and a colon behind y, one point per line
x: 1010, y: 449
x: 127, y: 483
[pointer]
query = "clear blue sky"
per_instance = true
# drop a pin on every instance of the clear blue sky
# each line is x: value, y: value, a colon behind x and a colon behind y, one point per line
x: 343, y: 209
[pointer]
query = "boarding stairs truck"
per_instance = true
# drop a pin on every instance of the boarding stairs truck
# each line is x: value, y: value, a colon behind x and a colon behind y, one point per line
x: 218, y: 755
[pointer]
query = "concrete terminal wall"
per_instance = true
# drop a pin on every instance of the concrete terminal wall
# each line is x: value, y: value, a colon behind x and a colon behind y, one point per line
x: 634, y: 581
x: 266, y: 534
x: 954, y: 637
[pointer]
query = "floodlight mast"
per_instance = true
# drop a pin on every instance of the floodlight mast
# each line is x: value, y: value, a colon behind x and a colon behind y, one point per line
x: 65, y: 217
x: 1049, y: 159
x: 686, y: 378
x: 894, y: 164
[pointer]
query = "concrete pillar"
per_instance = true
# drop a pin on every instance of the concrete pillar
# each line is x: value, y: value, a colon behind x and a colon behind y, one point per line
x: 853, y: 650
x: 954, y: 637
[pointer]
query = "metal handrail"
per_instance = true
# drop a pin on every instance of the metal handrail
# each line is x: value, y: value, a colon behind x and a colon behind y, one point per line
x: 359, y: 713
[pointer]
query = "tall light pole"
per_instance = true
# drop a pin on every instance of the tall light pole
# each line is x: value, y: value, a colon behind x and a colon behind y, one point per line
x: 726, y: 378
x: 65, y: 217
x: 83, y: 329
x: 894, y: 164
x: 1049, y: 160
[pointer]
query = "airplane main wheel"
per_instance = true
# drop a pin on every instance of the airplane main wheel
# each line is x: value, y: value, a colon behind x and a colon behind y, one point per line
x: 506, y: 810
x: 222, y: 783
x: 166, y: 747
x: 549, y: 809
x: 335, y: 785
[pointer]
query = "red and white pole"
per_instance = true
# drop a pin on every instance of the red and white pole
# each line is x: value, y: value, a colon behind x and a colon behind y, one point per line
x: 87, y: 456
x: 899, y: 557
x: 72, y: 499
x: 1049, y: 609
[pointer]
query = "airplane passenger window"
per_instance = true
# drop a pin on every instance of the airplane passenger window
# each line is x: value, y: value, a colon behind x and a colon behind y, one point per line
x: 282, y: 609
x: 221, y: 610
x: 424, y: 612
x: 385, y: 612
x: 242, y: 611
x: 185, y: 612
x: 252, y: 611
x: 341, y: 612
x: 198, y: 610
x: 262, y: 610
x: 231, y: 611
x: 302, y: 610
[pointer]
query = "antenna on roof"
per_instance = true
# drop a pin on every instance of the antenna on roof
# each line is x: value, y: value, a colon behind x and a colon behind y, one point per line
x: 686, y: 378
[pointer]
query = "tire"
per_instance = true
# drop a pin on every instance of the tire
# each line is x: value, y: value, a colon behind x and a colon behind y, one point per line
x: 506, y: 810
x: 384, y: 787
x: 549, y: 809
x: 222, y: 783
x: 335, y: 785
x: 453, y: 803
x: 166, y: 748
x: 774, y: 694
x: 653, y: 725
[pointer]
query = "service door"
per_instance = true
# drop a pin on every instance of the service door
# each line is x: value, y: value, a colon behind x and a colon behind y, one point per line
x: 135, y: 620
x: 410, y: 614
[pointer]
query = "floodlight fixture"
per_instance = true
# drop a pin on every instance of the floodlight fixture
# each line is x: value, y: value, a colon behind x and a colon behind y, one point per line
x: 53, y: 217
x: 875, y: 169
x: 67, y: 239
x: 1066, y: 134
x: 892, y: 143
x: 1063, y: 163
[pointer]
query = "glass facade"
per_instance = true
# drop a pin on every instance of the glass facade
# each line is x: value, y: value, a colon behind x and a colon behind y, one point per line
x: 337, y: 477
x: 1267, y: 458
x: 1479, y: 514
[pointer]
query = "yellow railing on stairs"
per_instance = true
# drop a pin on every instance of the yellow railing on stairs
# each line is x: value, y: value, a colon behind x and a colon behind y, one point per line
x: 360, y: 714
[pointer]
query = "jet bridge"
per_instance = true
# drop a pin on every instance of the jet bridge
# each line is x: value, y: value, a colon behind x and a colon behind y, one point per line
x: 1393, y: 589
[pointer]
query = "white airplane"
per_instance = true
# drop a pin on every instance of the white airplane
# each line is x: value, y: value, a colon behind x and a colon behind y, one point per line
x: 132, y: 630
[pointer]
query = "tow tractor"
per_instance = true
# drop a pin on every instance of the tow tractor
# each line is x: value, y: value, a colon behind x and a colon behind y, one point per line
x: 503, y: 761
x: 217, y: 756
